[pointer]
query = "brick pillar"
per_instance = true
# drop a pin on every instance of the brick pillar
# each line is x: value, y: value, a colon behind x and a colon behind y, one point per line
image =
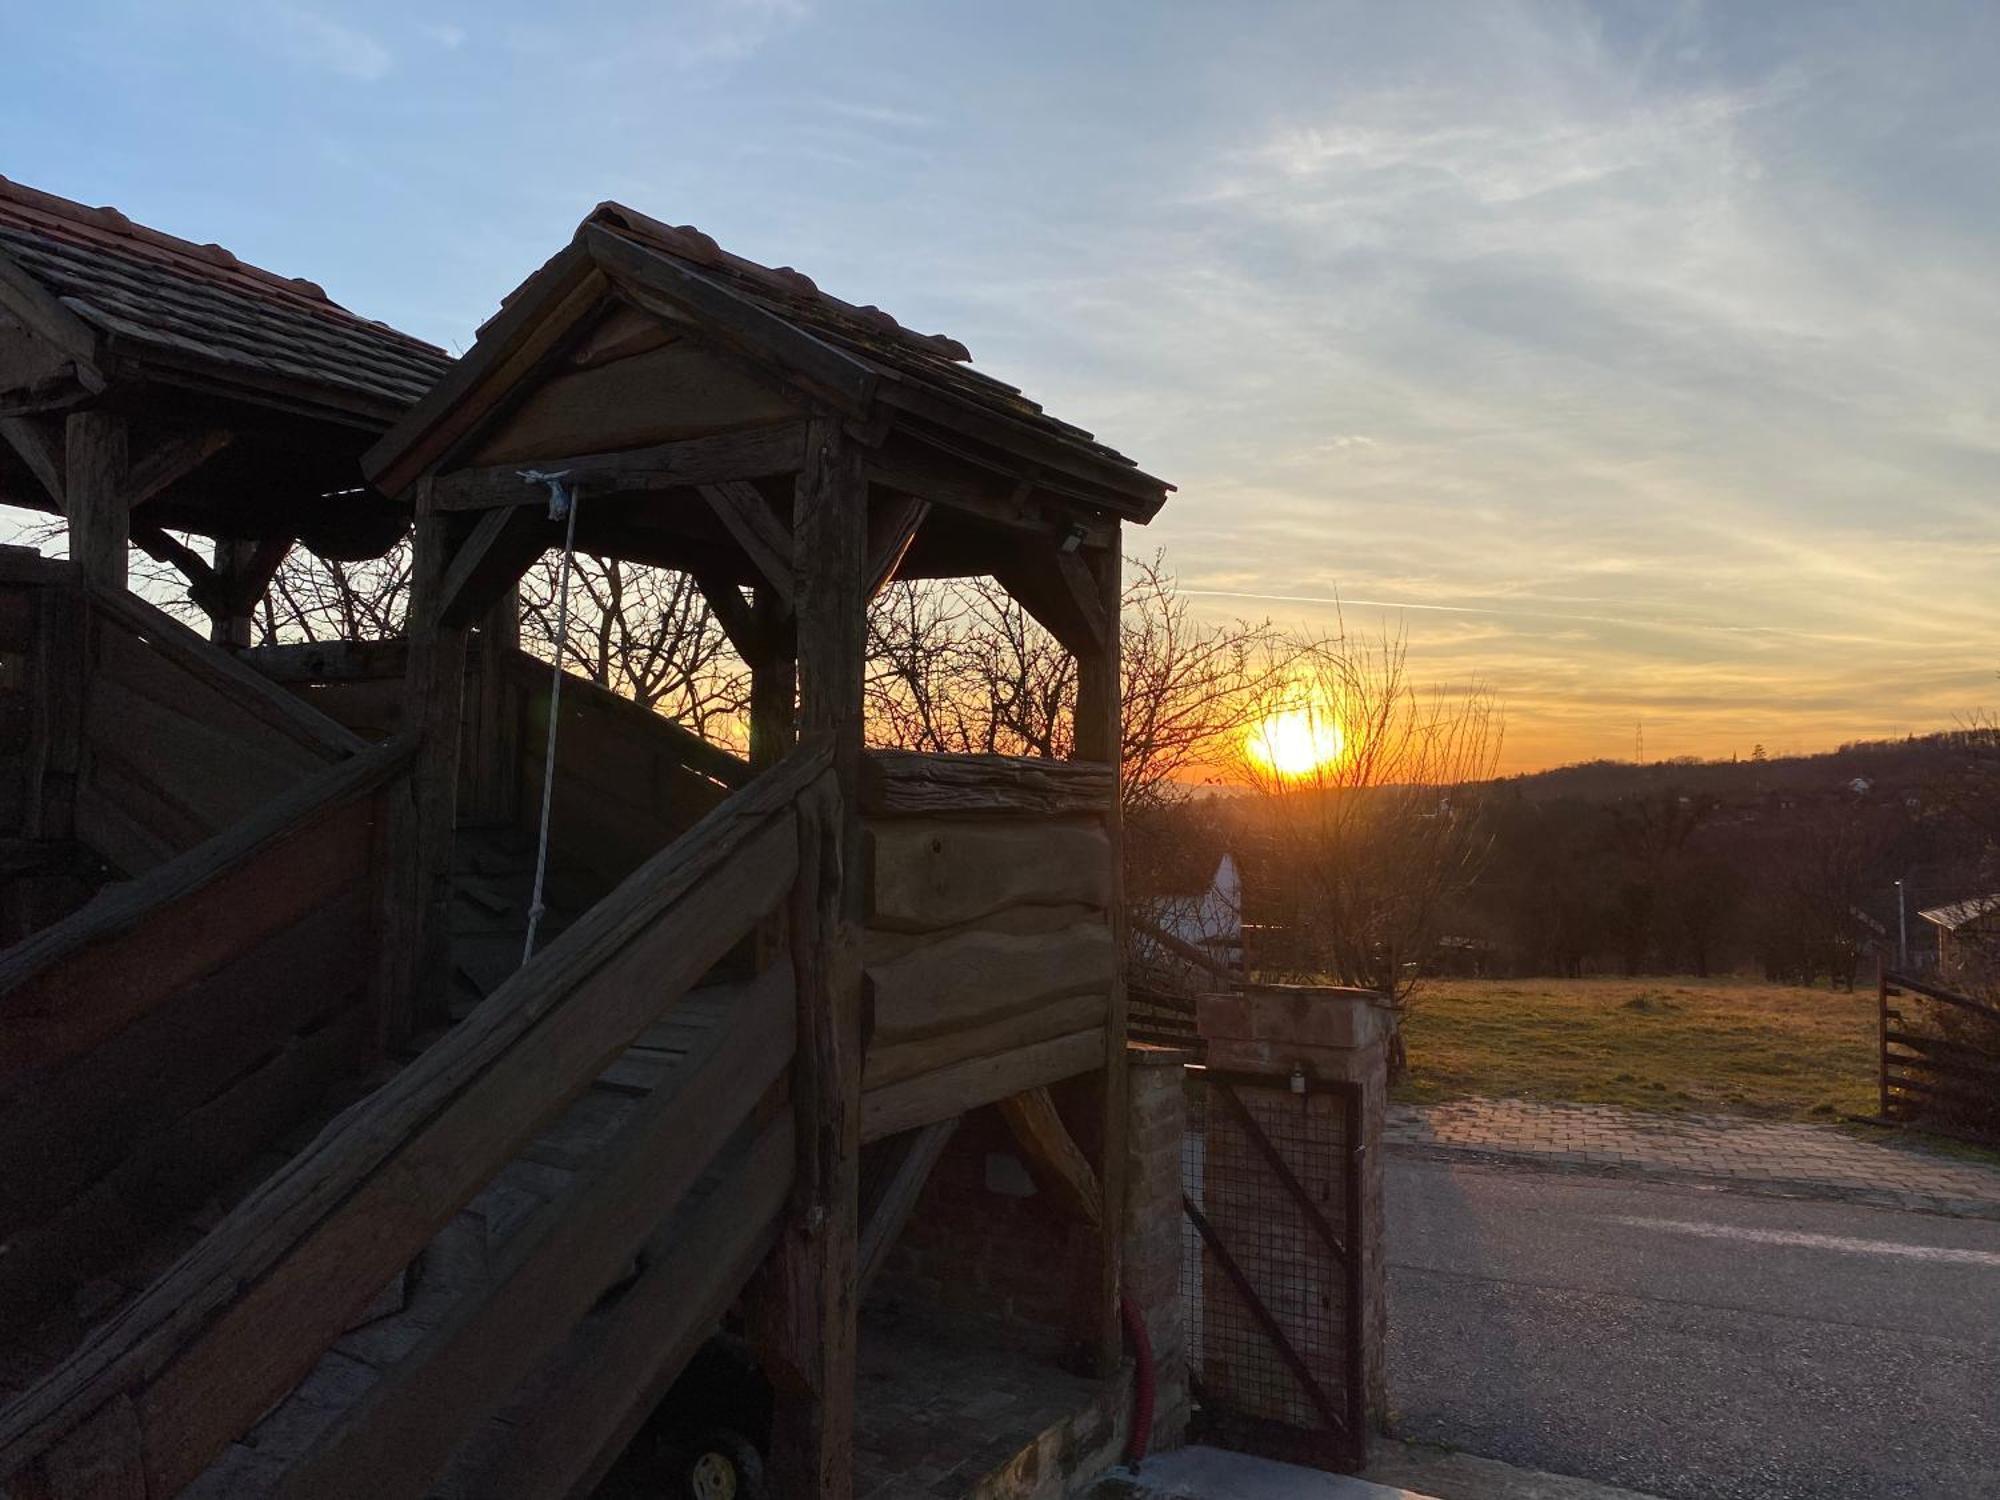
x: 1153, y: 1246
x: 1328, y: 1035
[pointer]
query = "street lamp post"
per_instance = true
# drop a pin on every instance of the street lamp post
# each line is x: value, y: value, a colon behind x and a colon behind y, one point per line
x: 1902, y: 929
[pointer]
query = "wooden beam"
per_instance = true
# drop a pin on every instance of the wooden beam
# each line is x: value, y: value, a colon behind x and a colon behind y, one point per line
x: 924, y: 783
x: 761, y: 535
x: 753, y: 453
x: 172, y: 460
x: 414, y: 982
x: 97, y: 480
x: 774, y: 678
x: 734, y: 613
x: 809, y: 1307
x: 672, y: 289
x: 236, y: 1322
x: 243, y: 572
x: 1060, y: 590
x: 1053, y: 1155
x: 916, y: 1153
x: 1099, y: 738
x: 952, y: 1090
x: 892, y: 526
x: 39, y: 441
x: 397, y: 1440
x: 1012, y: 496
x: 490, y: 561
x: 606, y: 1380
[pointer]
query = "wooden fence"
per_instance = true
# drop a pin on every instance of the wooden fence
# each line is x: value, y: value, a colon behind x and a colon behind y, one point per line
x: 1940, y: 1058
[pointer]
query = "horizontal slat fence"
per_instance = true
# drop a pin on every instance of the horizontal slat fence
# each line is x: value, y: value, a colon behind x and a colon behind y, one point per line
x: 1940, y: 1058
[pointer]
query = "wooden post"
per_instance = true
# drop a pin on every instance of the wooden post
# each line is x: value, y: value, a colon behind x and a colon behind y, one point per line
x: 774, y: 679
x: 496, y: 728
x: 96, y: 464
x: 1098, y: 732
x: 235, y: 618
x: 416, y: 928
x: 806, y: 1301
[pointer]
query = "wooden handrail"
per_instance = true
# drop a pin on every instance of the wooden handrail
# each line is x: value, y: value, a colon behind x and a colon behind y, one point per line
x: 123, y: 907
x: 239, y: 1320
x: 694, y: 752
x: 282, y: 710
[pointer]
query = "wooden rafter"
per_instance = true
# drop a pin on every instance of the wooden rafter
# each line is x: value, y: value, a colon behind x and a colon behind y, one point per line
x: 172, y: 460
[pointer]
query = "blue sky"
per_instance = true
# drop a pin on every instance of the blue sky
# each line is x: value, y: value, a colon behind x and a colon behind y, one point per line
x: 1643, y: 361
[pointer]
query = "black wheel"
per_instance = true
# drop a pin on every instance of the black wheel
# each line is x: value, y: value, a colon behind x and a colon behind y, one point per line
x: 723, y: 1465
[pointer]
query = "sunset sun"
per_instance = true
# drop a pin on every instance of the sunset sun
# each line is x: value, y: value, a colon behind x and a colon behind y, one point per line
x: 1296, y: 741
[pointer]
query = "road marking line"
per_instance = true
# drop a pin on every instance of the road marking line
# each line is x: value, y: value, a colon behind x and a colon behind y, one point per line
x: 1818, y: 1241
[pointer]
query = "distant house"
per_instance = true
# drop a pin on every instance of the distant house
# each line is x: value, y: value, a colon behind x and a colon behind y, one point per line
x: 1209, y: 920
x: 1966, y: 930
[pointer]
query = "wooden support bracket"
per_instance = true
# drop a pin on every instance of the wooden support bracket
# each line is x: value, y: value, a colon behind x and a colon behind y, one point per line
x: 917, y: 1152
x: 1053, y: 1155
x: 757, y: 530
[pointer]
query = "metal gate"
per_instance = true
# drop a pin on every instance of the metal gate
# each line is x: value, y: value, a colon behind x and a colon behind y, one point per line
x: 1271, y: 1279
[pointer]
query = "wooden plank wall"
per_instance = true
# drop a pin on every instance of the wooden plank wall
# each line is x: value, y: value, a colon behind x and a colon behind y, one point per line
x: 628, y: 781
x: 988, y: 944
x: 154, y: 1044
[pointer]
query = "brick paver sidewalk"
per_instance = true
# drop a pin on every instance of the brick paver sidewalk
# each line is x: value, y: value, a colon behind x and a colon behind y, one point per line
x: 1817, y: 1160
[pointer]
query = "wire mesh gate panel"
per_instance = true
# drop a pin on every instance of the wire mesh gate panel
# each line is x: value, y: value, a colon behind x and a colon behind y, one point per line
x: 1271, y: 1185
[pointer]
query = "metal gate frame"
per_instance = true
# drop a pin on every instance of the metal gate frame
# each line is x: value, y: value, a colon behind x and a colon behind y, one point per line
x: 1340, y: 1442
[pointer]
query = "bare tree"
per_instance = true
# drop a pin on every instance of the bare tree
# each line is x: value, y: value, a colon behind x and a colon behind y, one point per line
x: 645, y: 633
x: 1372, y: 829
x: 961, y: 666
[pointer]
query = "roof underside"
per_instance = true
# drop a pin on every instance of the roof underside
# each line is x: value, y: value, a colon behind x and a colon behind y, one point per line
x: 196, y: 308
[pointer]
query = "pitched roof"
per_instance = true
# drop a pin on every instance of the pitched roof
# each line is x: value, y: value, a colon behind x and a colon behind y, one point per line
x: 199, y: 306
x: 1961, y: 913
x: 935, y: 363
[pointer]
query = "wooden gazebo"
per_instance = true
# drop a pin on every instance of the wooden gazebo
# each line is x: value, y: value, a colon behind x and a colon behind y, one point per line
x: 480, y: 1278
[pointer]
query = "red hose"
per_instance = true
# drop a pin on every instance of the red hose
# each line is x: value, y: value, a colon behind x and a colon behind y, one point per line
x: 1142, y: 1381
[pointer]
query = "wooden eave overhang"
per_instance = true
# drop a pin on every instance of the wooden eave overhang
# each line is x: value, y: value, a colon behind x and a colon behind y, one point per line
x: 937, y: 428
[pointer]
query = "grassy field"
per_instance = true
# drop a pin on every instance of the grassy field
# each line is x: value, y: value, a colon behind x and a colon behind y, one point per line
x: 1699, y: 1045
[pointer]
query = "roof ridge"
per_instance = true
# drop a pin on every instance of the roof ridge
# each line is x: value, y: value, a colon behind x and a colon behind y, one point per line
x: 112, y: 221
x: 685, y: 242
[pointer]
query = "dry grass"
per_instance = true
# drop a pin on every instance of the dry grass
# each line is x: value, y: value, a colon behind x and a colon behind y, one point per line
x: 1722, y: 1045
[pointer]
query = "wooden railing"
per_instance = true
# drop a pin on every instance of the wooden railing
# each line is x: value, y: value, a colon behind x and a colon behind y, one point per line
x: 154, y: 1041
x: 237, y: 1323
x: 990, y: 947
x: 628, y: 780
x: 127, y: 732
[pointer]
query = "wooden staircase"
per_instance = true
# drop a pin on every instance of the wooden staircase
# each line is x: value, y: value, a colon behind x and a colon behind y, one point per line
x: 479, y: 1278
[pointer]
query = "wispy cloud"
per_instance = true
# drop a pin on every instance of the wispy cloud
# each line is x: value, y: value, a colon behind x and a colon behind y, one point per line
x: 318, y: 40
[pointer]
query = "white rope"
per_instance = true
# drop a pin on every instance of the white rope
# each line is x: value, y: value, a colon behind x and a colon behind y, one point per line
x: 562, y: 507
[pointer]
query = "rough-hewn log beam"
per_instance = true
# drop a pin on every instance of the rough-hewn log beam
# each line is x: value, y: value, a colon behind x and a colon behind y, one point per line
x: 490, y: 561
x: 39, y: 441
x: 751, y: 454
x: 172, y: 460
x: 96, y: 482
x: 1053, y: 1155
x: 892, y: 526
x: 915, y: 1155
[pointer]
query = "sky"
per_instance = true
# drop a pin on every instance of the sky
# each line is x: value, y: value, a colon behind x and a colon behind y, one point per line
x: 1640, y: 362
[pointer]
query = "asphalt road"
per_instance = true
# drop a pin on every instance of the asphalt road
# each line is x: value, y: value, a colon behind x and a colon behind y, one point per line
x: 1693, y: 1343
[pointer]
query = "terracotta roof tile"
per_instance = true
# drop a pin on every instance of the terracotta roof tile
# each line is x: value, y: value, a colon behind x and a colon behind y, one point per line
x: 200, y: 302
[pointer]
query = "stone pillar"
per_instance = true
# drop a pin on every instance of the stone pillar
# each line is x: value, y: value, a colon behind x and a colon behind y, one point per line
x: 1317, y: 1034
x: 1155, y: 1132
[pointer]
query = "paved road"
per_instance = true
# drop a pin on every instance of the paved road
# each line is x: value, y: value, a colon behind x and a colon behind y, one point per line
x: 1693, y: 1342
